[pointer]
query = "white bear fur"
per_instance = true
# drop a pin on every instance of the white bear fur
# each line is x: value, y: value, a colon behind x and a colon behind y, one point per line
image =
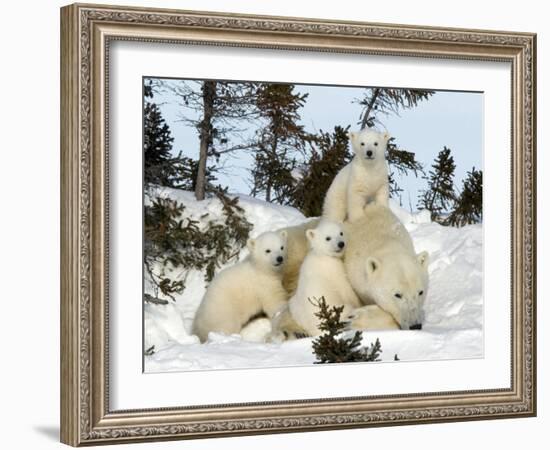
x: 246, y: 289
x: 284, y: 327
x: 322, y: 274
x: 370, y: 317
x: 363, y: 180
x: 298, y: 247
x: 383, y: 267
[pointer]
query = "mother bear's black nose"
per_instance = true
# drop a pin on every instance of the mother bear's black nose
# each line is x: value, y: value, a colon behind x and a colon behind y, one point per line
x: 279, y: 259
x: 369, y: 153
x: 416, y: 326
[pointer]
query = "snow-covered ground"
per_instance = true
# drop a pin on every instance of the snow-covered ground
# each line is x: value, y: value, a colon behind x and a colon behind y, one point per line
x: 453, y: 326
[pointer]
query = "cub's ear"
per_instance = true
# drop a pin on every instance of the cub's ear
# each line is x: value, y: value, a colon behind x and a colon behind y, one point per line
x: 352, y: 135
x: 372, y: 265
x: 251, y: 243
x: 386, y: 136
x: 310, y: 234
x: 283, y: 234
x: 423, y: 259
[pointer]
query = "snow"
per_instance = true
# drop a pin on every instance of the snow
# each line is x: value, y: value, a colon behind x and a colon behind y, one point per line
x: 453, y: 326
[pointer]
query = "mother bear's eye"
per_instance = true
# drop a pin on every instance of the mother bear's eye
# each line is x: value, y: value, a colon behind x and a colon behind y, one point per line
x: 376, y: 144
x: 328, y: 238
x: 398, y: 295
x: 282, y: 248
x: 362, y: 143
x: 421, y: 292
x: 268, y: 251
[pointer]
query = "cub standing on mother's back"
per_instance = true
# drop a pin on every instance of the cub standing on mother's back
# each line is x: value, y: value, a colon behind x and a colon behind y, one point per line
x: 363, y: 180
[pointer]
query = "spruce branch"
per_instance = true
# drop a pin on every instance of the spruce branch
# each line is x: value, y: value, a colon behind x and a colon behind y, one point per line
x: 174, y: 239
x: 468, y: 206
x: 154, y: 300
x: 331, y: 347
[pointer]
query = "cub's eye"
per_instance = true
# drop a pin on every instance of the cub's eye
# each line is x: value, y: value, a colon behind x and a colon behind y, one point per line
x: 376, y: 144
x: 328, y: 238
x: 362, y: 144
x: 398, y: 295
x: 282, y: 248
x: 341, y: 233
x: 268, y: 251
x: 421, y: 292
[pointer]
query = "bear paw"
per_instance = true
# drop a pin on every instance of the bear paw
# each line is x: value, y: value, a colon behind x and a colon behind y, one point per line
x: 370, y: 317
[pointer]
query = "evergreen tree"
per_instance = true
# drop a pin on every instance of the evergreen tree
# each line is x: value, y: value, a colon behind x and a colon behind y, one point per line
x: 187, y: 169
x: 468, y: 208
x: 330, y: 347
x: 439, y: 195
x: 402, y: 162
x: 329, y: 152
x: 157, y: 144
x: 217, y: 110
x: 278, y: 141
x: 161, y: 167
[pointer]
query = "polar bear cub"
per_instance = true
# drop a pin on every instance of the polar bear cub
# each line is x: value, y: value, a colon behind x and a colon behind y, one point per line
x: 322, y: 274
x: 246, y: 289
x: 363, y: 180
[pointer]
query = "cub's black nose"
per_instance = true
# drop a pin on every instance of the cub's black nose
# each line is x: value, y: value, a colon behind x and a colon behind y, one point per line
x: 416, y: 326
x: 341, y: 244
x: 279, y: 259
x: 369, y: 153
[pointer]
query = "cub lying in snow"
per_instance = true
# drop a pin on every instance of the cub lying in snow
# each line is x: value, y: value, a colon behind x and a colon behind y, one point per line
x: 363, y: 180
x: 322, y: 275
x: 246, y: 289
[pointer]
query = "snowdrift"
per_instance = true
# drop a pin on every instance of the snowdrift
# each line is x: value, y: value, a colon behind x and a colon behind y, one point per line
x: 453, y: 326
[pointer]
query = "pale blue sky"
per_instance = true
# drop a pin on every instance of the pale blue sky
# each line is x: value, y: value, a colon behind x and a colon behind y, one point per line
x: 452, y: 119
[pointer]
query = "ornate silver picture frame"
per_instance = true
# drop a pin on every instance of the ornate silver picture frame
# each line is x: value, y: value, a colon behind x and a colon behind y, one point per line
x: 87, y: 32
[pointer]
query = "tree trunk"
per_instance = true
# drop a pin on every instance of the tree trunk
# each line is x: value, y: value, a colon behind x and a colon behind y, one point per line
x: 273, y: 155
x: 205, y: 130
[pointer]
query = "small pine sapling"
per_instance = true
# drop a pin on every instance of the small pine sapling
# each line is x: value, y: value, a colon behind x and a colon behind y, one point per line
x: 330, y: 347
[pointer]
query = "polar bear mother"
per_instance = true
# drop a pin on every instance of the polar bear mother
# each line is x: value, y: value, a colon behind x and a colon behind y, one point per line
x: 382, y: 267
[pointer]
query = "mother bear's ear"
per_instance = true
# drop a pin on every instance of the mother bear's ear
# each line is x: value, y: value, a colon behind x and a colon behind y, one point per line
x: 250, y: 244
x: 310, y: 234
x: 372, y: 265
x: 423, y: 259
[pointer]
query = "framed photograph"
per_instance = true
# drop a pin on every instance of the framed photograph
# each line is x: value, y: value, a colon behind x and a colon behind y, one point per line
x: 276, y: 224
